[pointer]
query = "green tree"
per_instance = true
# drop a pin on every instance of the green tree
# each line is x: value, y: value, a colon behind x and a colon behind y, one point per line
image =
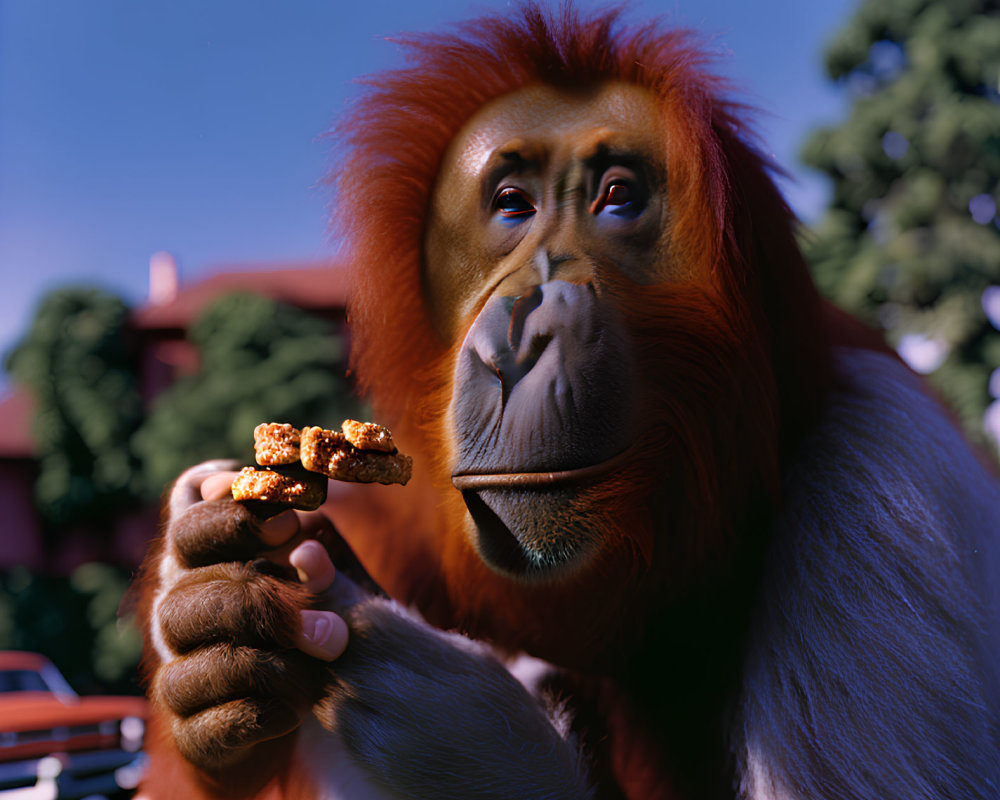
x: 260, y: 361
x: 74, y: 621
x: 910, y: 242
x: 81, y: 369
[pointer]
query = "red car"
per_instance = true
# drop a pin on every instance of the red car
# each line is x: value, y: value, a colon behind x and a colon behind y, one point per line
x: 55, y: 744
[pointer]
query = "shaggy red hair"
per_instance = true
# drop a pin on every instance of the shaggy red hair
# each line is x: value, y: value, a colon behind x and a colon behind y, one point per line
x: 757, y: 319
x: 393, y: 142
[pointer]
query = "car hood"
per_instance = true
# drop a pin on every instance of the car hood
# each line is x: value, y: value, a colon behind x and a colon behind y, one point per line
x: 20, y: 711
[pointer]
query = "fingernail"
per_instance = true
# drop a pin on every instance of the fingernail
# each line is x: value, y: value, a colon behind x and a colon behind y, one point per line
x: 316, y: 626
x: 313, y: 565
x: 322, y: 630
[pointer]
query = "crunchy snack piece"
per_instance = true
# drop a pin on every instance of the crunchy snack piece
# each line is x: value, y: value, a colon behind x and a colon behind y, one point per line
x: 368, y: 436
x: 302, y: 460
x: 298, y: 489
x: 364, y: 466
x: 331, y: 454
x: 276, y: 443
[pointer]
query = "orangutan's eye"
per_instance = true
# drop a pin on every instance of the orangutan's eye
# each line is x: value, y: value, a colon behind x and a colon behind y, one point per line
x: 621, y: 194
x: 513, y: 204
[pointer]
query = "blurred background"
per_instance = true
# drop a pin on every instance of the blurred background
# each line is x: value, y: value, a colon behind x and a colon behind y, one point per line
x: 169, y: 280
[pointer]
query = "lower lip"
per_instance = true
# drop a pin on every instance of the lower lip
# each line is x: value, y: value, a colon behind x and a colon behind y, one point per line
x: 537, y: 480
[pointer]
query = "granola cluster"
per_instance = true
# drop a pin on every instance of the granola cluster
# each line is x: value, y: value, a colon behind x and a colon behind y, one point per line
x: 298, y: 462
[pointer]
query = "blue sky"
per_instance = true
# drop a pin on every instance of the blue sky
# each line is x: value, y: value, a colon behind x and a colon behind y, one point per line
x: 194, y: 126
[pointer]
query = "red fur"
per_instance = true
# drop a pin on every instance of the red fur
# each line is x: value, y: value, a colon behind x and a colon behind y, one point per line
x: 756, y: 330
x: 382, y: 199
x: 756, y: 273
x: 171, y: 777
x: 735, y: 365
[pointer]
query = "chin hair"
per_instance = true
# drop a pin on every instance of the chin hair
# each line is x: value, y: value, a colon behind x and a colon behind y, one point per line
x: 532, y: 534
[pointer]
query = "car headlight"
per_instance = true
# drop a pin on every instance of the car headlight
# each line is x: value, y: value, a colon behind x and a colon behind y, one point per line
x: 132, y: 730
x: 48, y: 768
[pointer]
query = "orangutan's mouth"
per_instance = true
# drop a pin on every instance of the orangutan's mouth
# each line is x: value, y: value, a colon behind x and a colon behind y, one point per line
x: 538, y: 480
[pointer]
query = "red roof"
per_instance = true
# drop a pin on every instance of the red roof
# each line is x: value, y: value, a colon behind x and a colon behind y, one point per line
x: 319, y: 287
x: 314, y: 286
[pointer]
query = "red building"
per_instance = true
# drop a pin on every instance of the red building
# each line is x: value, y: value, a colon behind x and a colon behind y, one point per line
x: 160, y: 325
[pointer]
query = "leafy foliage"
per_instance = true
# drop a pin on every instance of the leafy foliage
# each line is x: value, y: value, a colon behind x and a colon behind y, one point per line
x: 911, y: 240
x: 260, y: 361
x: 81, y: 369
x: 98, y: 454
x: 74, y: 621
